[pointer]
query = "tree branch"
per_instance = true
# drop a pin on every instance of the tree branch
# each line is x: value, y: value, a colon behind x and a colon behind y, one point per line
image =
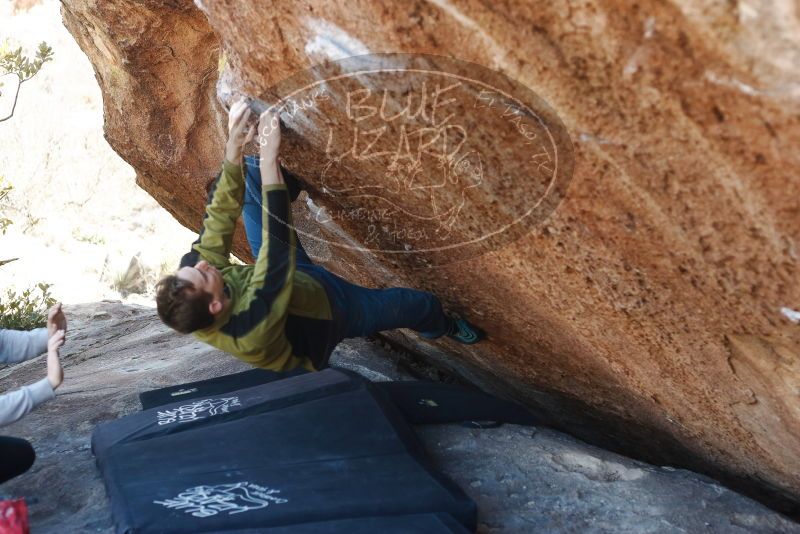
x: 16, y: 96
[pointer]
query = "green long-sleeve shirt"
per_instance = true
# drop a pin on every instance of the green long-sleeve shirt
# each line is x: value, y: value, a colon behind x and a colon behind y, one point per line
x: 276, y: 308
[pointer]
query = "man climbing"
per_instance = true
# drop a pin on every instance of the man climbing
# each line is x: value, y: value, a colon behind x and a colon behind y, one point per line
x: 282, y: 312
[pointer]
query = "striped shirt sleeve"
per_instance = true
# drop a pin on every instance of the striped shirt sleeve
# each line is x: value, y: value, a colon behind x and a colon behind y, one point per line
x: 223, y: 208
x: 261, y: 325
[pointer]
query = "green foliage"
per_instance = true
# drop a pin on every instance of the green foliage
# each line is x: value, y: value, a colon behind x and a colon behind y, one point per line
x: 13, y: 61
x: 26, y: 310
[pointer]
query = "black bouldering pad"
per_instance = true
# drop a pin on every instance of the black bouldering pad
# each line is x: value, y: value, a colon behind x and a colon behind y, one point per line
x: 225, y: 405
x: 212, y: 386
x: 420, y: 401
x: 297, y: 457
x: 425, y: 402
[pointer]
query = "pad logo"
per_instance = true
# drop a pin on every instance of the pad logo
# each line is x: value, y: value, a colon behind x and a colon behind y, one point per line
x: 197, y: 410
x: 207, y: 501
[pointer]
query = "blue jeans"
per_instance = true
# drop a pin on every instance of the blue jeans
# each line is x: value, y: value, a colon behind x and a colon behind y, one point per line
x: 361, y: 311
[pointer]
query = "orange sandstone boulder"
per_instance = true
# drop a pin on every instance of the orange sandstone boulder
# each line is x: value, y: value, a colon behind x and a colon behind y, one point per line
x: 635, y: 302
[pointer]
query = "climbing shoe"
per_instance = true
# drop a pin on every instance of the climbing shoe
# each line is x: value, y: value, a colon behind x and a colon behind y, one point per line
x: 464, y: 332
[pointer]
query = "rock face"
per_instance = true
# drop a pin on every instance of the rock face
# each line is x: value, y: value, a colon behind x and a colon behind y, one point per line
x: 643, y: 313
x: 523, y: 479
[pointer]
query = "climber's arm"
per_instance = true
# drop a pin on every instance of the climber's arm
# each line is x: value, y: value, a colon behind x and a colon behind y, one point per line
x: 260, y: 328
x: 224, y: 205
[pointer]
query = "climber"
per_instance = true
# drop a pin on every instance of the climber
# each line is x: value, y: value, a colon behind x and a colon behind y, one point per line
x: 17, y: 455
x: 282, y: 312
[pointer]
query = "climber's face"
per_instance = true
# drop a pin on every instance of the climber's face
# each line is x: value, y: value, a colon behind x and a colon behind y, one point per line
x: 207, y: 278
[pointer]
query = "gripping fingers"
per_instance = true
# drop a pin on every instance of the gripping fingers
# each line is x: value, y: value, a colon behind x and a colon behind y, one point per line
x: 240, y: 123
x: 250, y: 133
x: 240, y: 116
x: 236, y: 112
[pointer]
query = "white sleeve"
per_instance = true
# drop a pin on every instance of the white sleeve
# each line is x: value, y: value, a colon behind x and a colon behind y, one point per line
x: 17, y: 345
x: 18, y: 403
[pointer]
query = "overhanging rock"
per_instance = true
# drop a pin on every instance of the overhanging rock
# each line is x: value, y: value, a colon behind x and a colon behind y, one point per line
x: 637, y: 313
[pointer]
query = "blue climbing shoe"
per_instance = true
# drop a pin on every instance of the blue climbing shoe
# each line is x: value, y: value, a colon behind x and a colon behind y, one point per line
x: 464, y: 332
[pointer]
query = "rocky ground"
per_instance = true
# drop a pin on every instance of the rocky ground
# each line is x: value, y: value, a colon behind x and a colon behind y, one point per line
x: 524, y: 479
